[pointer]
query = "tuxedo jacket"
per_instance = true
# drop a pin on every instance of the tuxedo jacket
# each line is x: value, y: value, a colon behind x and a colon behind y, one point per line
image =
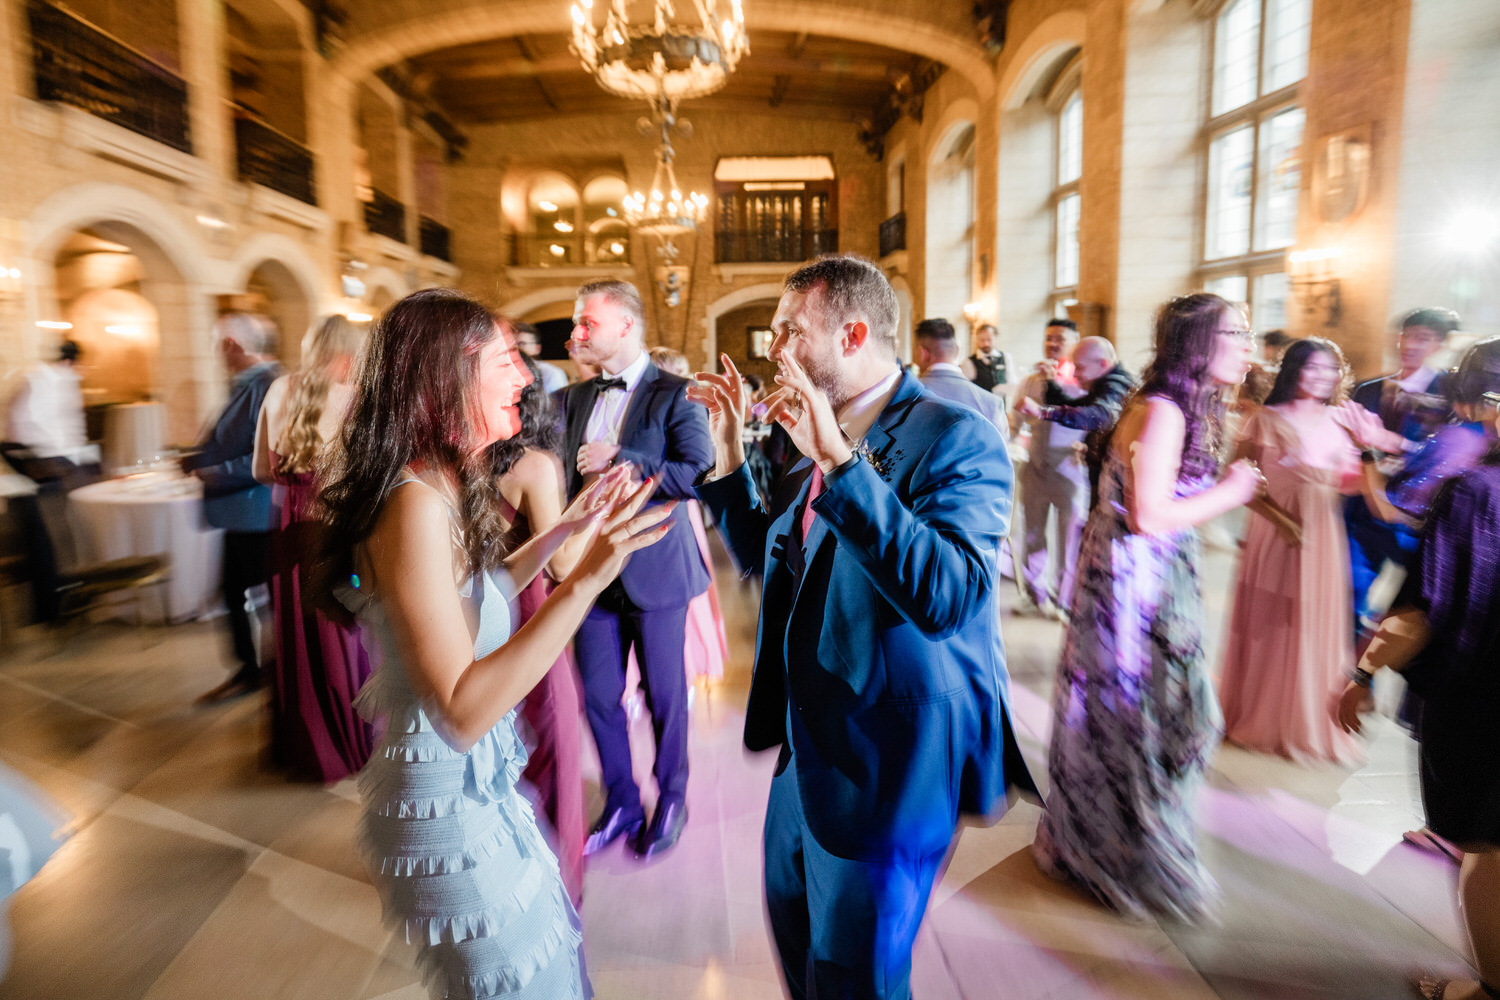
x: 1381, y: 396
x: 662, y: 435
x: 879, y: 661
x: 234, y: 499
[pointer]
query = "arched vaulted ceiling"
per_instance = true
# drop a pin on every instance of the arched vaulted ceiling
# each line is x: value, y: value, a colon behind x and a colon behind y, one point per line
x: 485, y: 61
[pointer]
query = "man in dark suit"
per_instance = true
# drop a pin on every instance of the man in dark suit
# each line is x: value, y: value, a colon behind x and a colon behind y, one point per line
x: 879, y: 669
x: 232, y: 498
x: 634, y: 412
x: 1105, y: 386
x: 1413, y: 402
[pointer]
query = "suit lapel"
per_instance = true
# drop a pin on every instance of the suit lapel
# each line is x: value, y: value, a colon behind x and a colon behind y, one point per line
x: 580, y: 406
x: 640, y: 402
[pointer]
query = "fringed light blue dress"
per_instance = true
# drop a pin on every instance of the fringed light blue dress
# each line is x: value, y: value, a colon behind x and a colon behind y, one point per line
x: 452, y: 846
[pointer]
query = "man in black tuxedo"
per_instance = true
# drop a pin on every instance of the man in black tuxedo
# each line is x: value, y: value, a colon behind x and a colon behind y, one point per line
x: 634, y: 412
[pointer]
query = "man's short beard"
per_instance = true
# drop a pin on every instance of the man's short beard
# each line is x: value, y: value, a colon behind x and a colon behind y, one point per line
x: 826, y: 380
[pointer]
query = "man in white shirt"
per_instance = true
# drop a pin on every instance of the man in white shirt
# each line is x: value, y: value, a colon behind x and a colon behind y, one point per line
x: 634, y: 412
x: 46, y: 411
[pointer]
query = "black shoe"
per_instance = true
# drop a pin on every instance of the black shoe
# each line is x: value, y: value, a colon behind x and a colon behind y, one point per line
x: 614, y: 823
x: 237, y: 686
x: 666, y: 826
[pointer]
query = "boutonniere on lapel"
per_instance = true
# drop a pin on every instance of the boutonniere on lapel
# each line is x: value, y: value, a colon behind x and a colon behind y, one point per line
x: 881, y: 461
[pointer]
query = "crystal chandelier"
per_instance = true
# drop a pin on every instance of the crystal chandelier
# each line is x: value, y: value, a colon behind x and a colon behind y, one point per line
x: 661, y: 61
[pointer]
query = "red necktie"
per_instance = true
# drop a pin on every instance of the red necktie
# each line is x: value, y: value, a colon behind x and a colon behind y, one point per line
x: 813, y: 492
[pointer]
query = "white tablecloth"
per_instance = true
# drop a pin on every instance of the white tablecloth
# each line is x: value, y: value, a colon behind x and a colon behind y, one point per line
x: 133, y: 434
x: 150, y: 516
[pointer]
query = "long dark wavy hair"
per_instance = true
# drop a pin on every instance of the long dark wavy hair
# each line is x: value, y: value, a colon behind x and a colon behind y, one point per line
x: 1186, y: 339
x: 414, y: 401
x: 1296, y: 358
x: 539, y: 424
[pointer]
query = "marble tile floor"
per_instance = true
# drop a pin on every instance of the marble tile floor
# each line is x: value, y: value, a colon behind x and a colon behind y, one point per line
x: 193, y: 872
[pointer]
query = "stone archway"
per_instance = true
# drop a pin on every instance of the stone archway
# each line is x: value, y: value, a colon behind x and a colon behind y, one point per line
x: 175, y: 281
x: 949, y: 258
x: 278, y: 268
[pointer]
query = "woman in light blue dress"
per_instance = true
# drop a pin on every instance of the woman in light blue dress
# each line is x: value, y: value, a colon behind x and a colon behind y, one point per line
x: 414, y: 549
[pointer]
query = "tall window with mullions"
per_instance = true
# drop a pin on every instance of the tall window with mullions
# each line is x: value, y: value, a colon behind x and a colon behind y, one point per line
x: 1254, y: 152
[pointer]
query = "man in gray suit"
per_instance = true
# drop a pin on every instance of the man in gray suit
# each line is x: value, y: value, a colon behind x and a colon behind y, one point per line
x: 937, y: 357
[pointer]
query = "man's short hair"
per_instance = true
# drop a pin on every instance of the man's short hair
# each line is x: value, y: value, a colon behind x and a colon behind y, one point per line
x: 255, y: 334
x: 988, y: 326
x: 1436, y: 318
x: 622, y: 293
x: 69, y: 351
x: 936, y: 329
x: 1062, y: 321
x: 1275, y: 338
x: 853, y: 287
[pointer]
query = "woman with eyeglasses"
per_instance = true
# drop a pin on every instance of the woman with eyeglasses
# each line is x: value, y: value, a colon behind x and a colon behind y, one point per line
x: 1134, y: 713
x: 1290, y: 642
x: 416, y: 543
x: 1443, y: 635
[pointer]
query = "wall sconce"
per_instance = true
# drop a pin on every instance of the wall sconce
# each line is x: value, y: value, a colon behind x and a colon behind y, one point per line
x: 974, y: 313
x: 11, y: 285
x: 1314, y: 280
x: 352, y: 278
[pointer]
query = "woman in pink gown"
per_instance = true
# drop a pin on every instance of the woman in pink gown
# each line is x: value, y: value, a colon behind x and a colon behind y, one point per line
x: 1289, y: 648
x: 320, y: 664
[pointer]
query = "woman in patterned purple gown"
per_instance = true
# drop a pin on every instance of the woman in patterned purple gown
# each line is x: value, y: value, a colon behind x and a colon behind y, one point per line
x: 1134, y: 714
x: 316, y: 734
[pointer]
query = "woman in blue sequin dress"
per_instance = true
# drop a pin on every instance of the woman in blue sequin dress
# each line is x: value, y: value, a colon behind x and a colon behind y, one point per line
x: 415, y: 551
x: 1134, y: 715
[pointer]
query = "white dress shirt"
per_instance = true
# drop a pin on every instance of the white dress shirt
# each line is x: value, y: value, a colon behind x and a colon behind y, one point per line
x: 608, y: 415
x: 46, y: 413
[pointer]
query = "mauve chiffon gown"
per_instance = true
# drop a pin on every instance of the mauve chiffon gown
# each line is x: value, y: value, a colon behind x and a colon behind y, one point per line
x: 316, y: 733
x: 1289, y: 649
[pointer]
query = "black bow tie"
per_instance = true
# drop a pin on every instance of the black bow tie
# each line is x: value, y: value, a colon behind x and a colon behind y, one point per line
x: 602, y: 384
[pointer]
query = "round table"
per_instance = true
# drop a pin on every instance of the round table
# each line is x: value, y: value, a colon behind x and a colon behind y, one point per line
x: 148, y: 516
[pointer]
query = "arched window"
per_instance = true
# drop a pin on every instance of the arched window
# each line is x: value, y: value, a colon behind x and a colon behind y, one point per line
x: 1066, y: 201
x: 1254, y: 130
x: 552, y: 205
x: 606, y: 237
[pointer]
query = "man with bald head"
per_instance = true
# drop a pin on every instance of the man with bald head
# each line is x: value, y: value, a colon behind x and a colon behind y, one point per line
x: 1106, y: 385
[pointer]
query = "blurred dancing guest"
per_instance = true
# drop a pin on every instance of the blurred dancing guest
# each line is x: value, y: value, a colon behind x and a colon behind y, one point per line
x: 1054, y: 483
x: 1412, y: 402
x: 553, y: 378
x: 1134, y: 714
x: 1290, y: 643
x: 320, y: 664
x: 1104, y: 385
x: 635, y: 414
x: 1443, y: 634
x: 416, y: 543
x: 531, y: 490
x: 233, y: 499
x: 879, y: 669
x: 937, y: 350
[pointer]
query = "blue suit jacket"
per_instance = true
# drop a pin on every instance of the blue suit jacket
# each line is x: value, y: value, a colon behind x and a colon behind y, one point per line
x: 232, y: 498
x: 665, y: 436
x: 879, y: 654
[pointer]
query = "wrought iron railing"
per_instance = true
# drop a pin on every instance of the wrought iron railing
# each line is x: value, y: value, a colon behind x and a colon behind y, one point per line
x: 569, y: 249
x: 77, y: 64
x: 385, y: 216
x: 277, y: 161
x: 739, y: 246
x: 893, y: 234
x: 434, y: 238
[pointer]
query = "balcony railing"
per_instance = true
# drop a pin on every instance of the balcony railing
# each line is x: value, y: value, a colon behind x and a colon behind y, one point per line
x: 893, y: 234
x: 75, y: 63
x: 569, y: 250
x: 385, y: 216
x: 274, y: 160
x: 434, y: 238
x: 738, y: 246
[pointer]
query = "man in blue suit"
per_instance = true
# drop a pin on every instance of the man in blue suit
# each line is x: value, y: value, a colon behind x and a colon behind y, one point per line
x: 232, y: 498
x: 634, y: 412
x: 879, y: 669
